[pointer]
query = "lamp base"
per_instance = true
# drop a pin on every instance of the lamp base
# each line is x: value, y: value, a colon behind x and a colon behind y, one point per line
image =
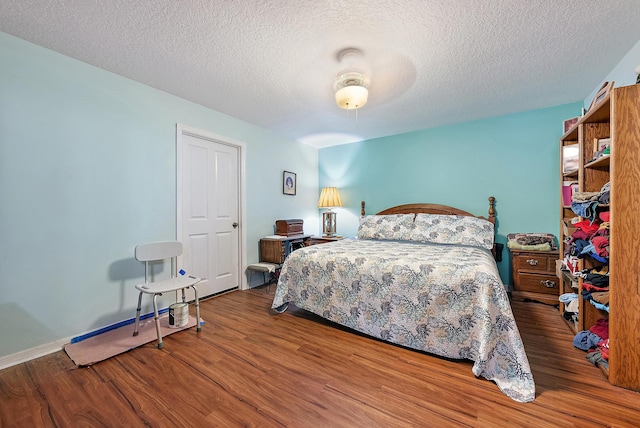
x: 328, y: 223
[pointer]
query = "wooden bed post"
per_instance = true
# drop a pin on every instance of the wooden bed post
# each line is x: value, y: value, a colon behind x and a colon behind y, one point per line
x: 492, y: 210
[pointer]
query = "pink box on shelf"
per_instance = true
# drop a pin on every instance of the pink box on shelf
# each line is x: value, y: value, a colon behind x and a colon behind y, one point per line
x: 568, y: 187
x: 566, y: 195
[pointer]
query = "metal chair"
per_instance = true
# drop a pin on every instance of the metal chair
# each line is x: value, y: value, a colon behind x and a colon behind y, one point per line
x: 159, y: 251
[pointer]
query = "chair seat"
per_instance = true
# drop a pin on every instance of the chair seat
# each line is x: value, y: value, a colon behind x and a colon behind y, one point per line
x: 263, y: 267
x: 167, y: 285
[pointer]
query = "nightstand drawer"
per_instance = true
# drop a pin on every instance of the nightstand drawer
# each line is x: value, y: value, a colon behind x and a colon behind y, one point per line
x: 534, y: 276
x: 535, y: 262
x: 537, y: 283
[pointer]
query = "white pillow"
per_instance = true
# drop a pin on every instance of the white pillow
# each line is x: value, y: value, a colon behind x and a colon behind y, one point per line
x: 396, y: 227
x: 453, y: 229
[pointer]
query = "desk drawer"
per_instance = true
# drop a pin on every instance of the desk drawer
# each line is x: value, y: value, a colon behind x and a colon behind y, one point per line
x: 535, y: 262
x: 537, y: 283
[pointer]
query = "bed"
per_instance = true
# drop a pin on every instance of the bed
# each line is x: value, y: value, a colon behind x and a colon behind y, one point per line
x: 421, y: 276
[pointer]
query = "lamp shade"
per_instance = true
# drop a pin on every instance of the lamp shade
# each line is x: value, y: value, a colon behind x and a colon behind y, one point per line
x: 351, y: 89
x: 329, y: 197
x: 351, y: 97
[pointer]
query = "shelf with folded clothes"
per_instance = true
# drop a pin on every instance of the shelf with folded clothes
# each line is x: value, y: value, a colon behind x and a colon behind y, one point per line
x: 568, y: 224
x: 589, y: 238
x: 595, y: 341
x: 584, y: 296
x: 569, y: 308
x: 589, y: 244
x: 569, y: 289
x: 614, y: 121
x: 594, y: 287
x: 586, y: 256
x: 589, y: 204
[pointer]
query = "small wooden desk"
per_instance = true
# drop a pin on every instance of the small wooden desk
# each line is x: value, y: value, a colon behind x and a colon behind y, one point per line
x: 276, y: 248
x: 315, y: 240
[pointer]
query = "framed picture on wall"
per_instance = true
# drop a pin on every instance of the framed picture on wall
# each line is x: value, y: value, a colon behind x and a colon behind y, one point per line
x: 288, y: 183
x: 569, y: 123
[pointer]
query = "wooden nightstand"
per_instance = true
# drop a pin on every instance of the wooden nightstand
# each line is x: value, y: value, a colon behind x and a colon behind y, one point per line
x: 534, y: 276
x: 315, y: 240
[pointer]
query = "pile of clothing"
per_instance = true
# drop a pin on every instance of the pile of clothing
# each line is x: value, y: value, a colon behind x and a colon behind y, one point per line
x: 595, y: 290
x: 595, y: 286
x: 570, y: 301
x: 596, y: 342
x: 585, y: 204
x: 531, y: 241
x: 591, y: 238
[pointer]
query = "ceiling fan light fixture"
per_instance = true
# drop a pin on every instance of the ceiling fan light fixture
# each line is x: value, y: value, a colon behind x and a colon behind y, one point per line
x: 351, y: 97
x: 351, y: 90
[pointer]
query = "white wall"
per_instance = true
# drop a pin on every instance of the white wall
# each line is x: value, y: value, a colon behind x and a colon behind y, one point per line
x: 622, y: 74
x: 87, y: 171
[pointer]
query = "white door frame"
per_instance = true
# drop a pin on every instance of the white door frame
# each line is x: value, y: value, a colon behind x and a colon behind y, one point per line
x: 198, y: 133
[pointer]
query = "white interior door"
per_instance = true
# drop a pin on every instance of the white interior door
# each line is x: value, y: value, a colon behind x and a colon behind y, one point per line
x: 208, y: 211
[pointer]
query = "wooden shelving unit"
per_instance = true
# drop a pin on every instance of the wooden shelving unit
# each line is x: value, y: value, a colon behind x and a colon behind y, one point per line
x: 617, y: 117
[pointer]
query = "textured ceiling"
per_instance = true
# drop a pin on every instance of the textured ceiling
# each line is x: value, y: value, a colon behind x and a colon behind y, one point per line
x: 273, y: 63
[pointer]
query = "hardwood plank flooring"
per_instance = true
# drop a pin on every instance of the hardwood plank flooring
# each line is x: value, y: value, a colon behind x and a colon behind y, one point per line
x: 251, y: 367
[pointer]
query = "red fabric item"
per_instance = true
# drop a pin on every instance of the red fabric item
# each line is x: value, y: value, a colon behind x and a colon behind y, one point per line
x: 603, y: 347
x: 603, y: 231
x: 604, y: 216
x: 600, y: 243
x: 587, y: 226
x: 591, y: 287
x: 601, y: 328
x: 581, y: 234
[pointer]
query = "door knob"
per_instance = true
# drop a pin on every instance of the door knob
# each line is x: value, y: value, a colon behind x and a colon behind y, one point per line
x: 234, y: 225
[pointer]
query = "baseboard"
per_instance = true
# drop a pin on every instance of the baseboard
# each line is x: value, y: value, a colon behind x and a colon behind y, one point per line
x: 33, y: 353
x: 58, y: 345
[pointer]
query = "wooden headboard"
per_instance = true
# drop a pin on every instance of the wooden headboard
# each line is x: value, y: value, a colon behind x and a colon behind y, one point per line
x: 435, y: 209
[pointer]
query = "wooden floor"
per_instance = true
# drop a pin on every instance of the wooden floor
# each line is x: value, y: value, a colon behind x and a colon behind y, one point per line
x: 250, y: 367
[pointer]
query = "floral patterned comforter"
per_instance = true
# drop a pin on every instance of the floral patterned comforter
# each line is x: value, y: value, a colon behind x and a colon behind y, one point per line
x: 443, y: 299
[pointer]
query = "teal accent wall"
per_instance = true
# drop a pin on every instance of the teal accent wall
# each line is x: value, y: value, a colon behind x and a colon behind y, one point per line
x: 514, y: 158
x: 87, y: 171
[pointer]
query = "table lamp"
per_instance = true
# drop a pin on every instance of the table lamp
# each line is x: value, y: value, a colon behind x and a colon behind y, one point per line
x: 329, y: 198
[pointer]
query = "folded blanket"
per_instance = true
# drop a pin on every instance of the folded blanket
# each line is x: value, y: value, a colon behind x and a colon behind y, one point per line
x: 513, y: 244
x: 601, y: 297
x: 585, y: 196
x: 523, y: 241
